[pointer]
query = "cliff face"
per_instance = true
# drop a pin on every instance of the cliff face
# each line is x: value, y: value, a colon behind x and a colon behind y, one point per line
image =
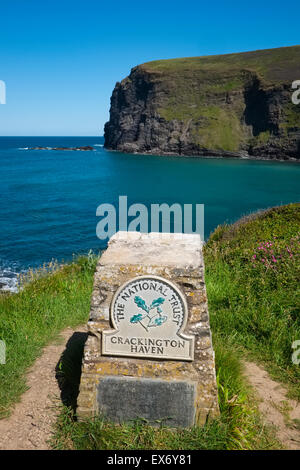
x: 230, y: 105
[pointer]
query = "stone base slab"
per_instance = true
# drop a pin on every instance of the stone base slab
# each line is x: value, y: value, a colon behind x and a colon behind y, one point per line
x: 158, y: 401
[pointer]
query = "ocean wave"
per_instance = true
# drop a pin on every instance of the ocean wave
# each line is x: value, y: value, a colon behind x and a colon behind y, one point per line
x: 8, y: 281
x: 98, y: 145
x: 23, y: 148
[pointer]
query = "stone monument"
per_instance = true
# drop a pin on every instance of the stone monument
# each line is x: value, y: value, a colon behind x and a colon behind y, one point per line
x: 149, y: 351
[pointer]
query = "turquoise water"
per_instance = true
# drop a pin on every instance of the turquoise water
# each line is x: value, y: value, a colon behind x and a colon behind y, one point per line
x: 49, y: 198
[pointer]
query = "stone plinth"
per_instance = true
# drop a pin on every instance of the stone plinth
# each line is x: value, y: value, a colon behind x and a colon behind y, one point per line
x: 149, y: 352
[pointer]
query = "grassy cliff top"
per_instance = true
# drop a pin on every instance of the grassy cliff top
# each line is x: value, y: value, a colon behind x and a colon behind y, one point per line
x: 279, y: 65
x: 252, y: 277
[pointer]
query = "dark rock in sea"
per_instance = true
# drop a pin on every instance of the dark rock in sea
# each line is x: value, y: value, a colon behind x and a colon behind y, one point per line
x: 83, y: 149
x: 38, y: 148
x: 62, y: 148
x: 235, y: 105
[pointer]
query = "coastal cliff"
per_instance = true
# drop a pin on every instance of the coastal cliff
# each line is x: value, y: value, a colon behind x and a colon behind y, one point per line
x: 228, y: 105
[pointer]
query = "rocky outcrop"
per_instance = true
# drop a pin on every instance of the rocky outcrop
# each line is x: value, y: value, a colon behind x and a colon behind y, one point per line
x: 232, y: 105
x: 85, y: 148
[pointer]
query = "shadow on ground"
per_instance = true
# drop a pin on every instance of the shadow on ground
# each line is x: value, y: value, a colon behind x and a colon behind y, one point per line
x: 68, y: 369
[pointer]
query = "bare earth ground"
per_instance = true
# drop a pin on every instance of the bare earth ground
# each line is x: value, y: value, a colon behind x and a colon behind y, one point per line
x: 31, y: 424
x: 276, y: 408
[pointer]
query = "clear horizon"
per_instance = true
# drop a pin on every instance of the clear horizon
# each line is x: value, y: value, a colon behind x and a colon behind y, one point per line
x: 60, y: 62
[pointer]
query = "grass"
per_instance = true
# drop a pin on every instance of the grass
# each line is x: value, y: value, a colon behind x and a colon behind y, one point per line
x: 222, y: 131
x: 273, y: 65
x: 292, y: 117
x: 32, y: 318
x: 252, y: 277
x: 239, y: 426
x: 262, y: 138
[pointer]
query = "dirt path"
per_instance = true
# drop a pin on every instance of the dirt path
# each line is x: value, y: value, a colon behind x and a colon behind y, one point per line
x: 276, y: 408
x: 30, y: 425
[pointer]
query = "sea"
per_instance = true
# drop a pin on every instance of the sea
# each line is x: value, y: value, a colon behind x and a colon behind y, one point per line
x: 49, y: 198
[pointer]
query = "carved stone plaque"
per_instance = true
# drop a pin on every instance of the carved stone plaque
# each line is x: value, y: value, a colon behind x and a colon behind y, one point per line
x: 148, y: 314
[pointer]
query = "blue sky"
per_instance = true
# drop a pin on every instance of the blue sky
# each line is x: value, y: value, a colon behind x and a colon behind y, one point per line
x: 61, y: 59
